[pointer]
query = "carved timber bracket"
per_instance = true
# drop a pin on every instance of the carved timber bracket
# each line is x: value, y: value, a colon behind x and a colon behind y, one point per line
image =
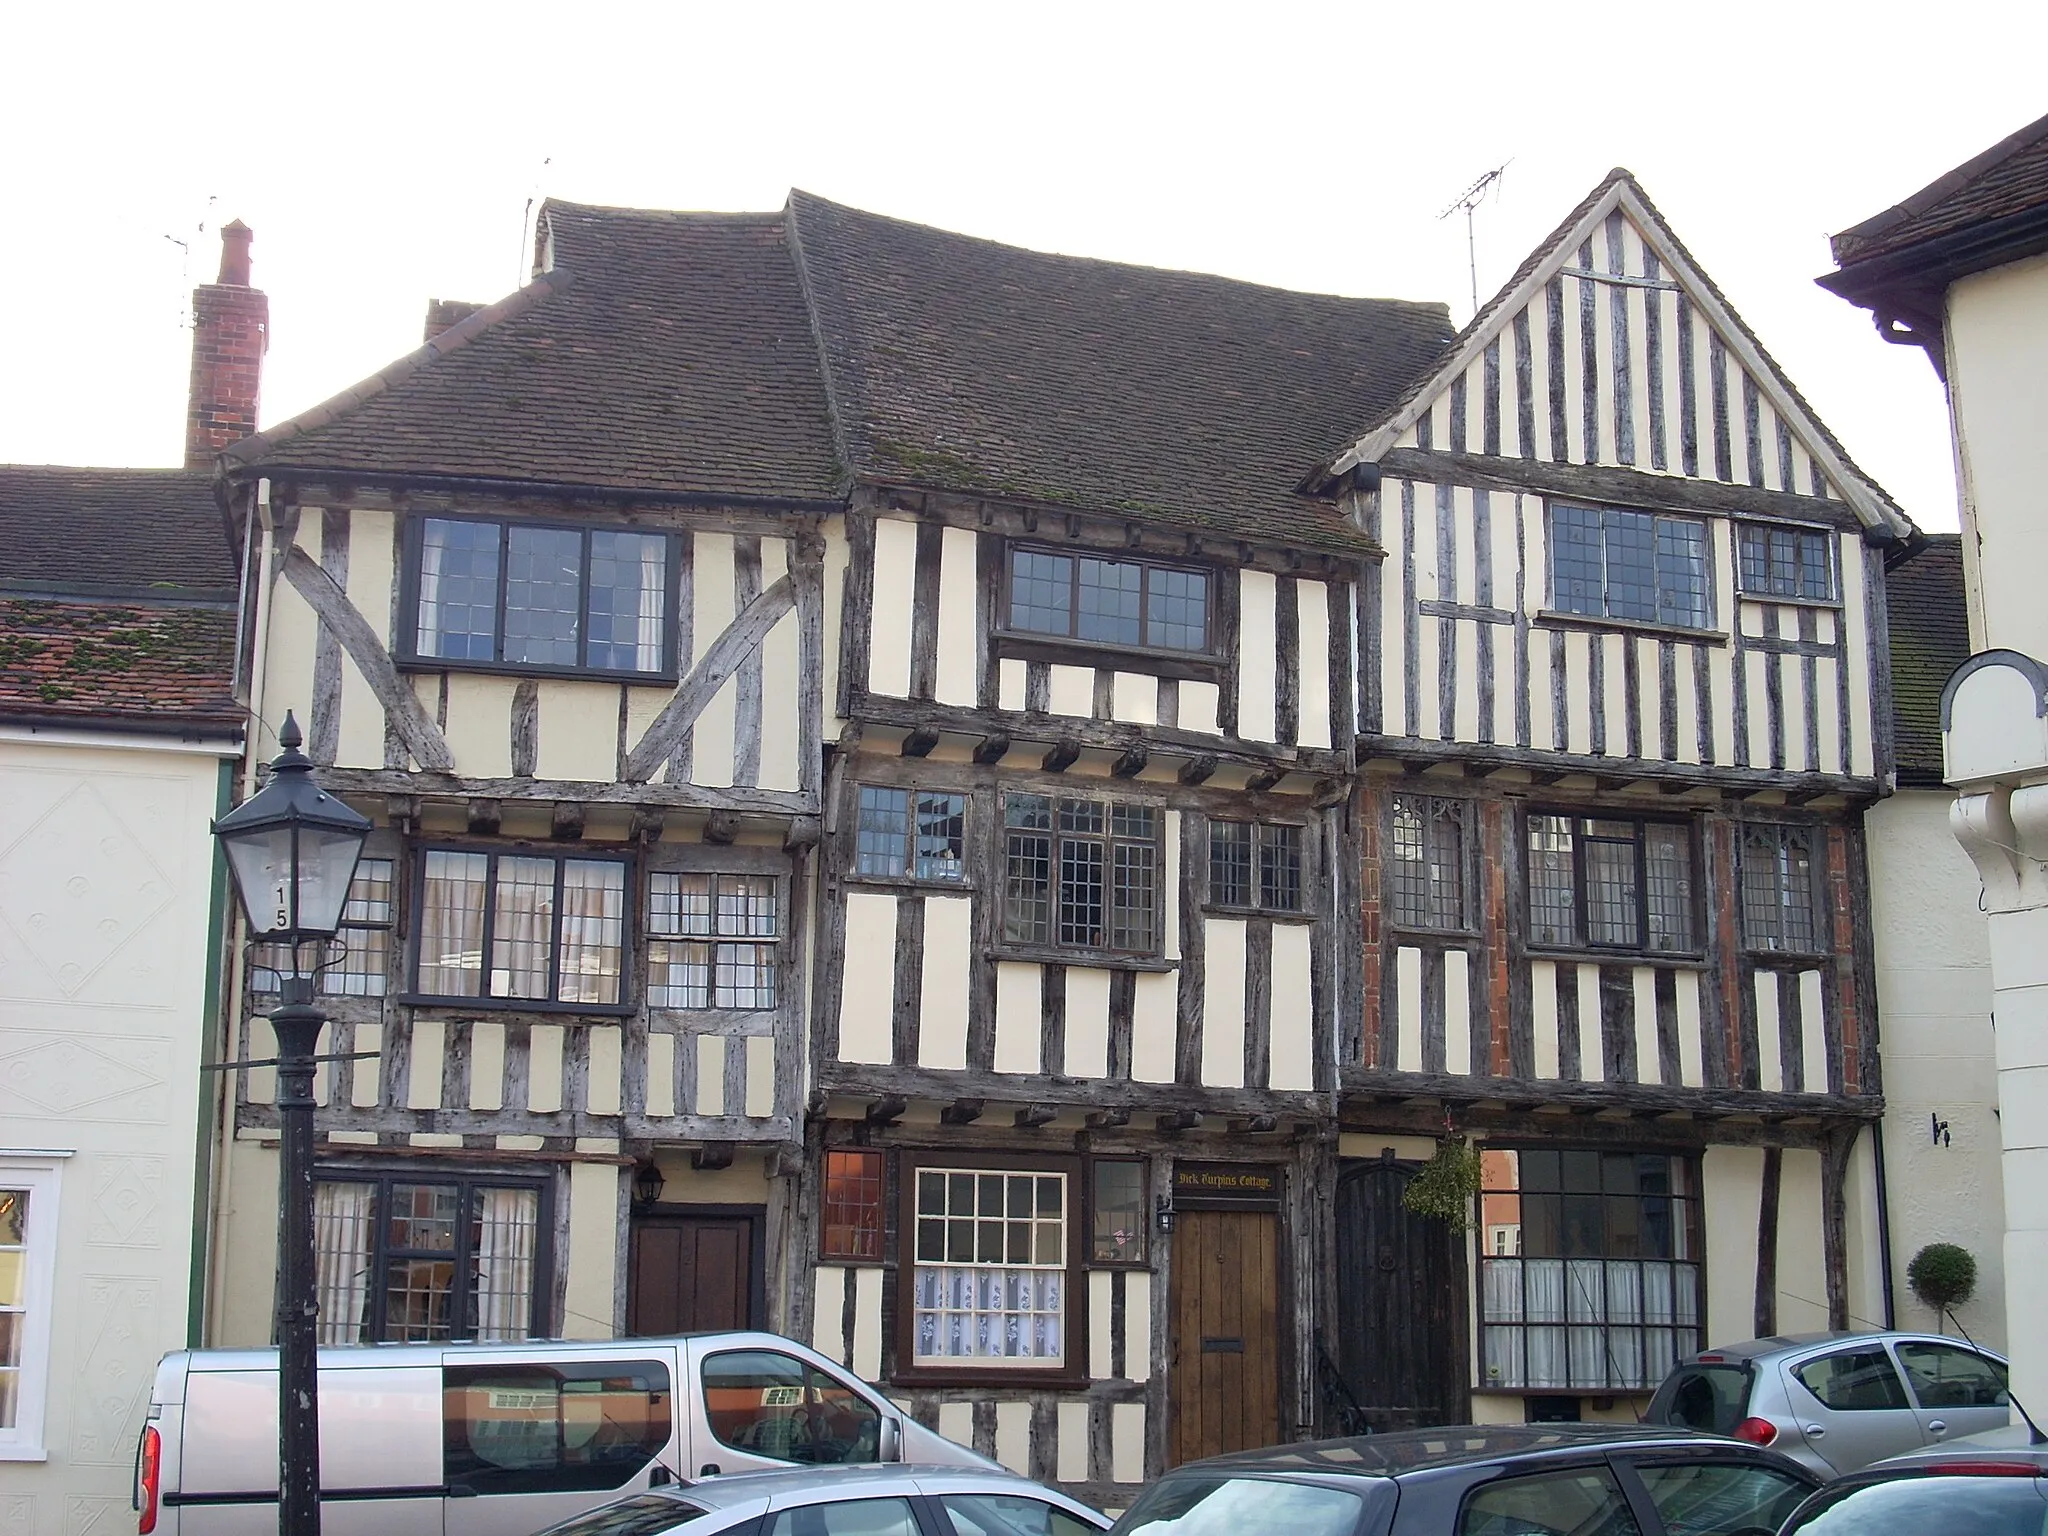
x: 721, y: 659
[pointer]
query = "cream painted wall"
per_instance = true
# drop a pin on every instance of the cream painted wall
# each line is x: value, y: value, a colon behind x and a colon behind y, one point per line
x: 1731, y: 1180
x: 1997, y: 327
x: 1934, y: 1021
x: 106, y: 869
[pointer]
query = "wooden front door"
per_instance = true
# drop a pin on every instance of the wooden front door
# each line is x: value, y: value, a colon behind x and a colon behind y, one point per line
x: 1225, y: 1383
x: 688, y: 1272
x: 1401, y: 1338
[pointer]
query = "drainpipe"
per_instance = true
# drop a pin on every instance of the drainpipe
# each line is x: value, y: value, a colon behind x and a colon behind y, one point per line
x: 1884, y: 1224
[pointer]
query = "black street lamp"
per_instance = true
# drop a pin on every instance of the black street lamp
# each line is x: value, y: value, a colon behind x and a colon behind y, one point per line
x: 292, y: 849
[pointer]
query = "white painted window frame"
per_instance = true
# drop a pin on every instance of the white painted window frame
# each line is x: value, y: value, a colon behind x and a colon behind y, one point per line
x: 41, y: 1174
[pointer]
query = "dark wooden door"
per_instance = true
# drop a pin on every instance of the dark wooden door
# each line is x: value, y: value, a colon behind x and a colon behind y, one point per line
x: 1401, y: 1337
x: 687, y: 1273
x: 1225, y: 1382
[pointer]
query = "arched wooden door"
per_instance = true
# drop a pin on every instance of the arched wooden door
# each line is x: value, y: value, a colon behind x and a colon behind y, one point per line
x: 1402, y: 1345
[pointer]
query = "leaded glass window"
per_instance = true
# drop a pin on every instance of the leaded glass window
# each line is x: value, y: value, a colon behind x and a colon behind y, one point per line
x: 1256, y: 865
x: 1609, y: 883
x: 1780, y: 887
x: 1131, y: 603
x: 1787, y: 562
x: 918, y: 834
x: 360, y: 966
x: 1080, y: 874
x: 990, y: 1274
x: 520, y: 927
x: 1426, y: 862
x: 712, y: 940
x: 1642, y: 566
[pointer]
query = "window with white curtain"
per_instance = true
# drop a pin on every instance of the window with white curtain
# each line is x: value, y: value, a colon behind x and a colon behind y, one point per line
x: 712, y: 940
x: 28, y: 1282
x: 1594, y: 1282
x: 508, y: 927
x: 989, y: 1280
x: 357, y: 964
x: 414, y: 1257
x: 529, y: 595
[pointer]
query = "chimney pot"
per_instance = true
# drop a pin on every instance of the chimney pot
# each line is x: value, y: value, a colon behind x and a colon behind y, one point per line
x: 234, y: 254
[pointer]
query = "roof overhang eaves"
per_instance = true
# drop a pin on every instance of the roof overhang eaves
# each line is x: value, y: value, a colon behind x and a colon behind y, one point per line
x: 1918, y: 275
x: 1875, y: 509
x: 511, y: 487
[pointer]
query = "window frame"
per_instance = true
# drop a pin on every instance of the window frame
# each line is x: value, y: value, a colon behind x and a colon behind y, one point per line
x: 630, y: 918
x: 1782, y: 833
x: 462, y: 1298
x: 409, y: 655
x: 1303, y: 912
x: 1143, y: 1259
x: 1073, y: 1368
x: 911, y: 793
x: 776, y: 944
x: 1557, y: 612
x: 1008, y: 632
x: 1830, y: 544
x: 42, y: 1175
x: 1581, y: 943
x: 1465, y: 816
x: 265, y: 980
x: 879, y: 1208
x: 1051, y: 950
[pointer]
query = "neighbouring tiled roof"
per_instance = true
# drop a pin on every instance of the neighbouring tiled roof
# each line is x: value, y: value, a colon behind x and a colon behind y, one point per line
x: 2009, y: 178
x: 122, y: 531
x: 1930, y: 638
x: 967, y: 365
x: 667, y: 353
x: 98, y: 661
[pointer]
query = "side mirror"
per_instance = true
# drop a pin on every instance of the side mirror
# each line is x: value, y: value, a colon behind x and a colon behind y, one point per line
x: 890, y: 1443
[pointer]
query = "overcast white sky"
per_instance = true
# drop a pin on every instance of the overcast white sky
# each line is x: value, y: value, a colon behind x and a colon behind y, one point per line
x: 387, y: 153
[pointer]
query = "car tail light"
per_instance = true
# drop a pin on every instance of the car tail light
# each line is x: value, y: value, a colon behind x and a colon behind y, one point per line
x: 1710, y: 1360
x: 152, y: 1478
x: 1981, y: 1469
x: 1755, y: 1431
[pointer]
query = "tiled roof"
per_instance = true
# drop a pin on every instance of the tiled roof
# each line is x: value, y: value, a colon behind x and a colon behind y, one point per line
x: 663, y: 353
x: 1930, y: 638
x: 122, y: 531
x: 967, y: 365
x: 2009, y: 178
x: 100, y: 661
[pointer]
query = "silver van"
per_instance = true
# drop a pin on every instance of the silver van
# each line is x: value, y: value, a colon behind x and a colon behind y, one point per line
x: 504, y: 1439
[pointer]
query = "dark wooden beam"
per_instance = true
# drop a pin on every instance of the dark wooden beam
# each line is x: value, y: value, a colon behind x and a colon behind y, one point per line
x: 713, y: 1156
x: 648, y: 822
x: 1264, y: 780
x: 1254, y: 1125
x: 1197, y: 770
x: 991, y: 749
x: 1108, y: 1119
x: 919, y: 743
x: 886, y: 1111
x: 1032, y: 1116
x: 485, y: 817
x: 1064, y: 755
x: 1179, y: 1120
x: 1130, y: 765
x: 722, y: 828
x: 802, y: 832
x: 567, y: 823
x: 962, y: 1112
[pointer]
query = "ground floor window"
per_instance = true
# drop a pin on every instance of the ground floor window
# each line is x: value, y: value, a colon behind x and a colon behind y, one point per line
x: 414, y: 1258
x: 1593, y: 1281
x: 28, y: 1255
x: 989, y: 1266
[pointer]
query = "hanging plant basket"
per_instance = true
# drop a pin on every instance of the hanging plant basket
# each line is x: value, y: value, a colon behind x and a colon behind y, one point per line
x: 1447, y: 1185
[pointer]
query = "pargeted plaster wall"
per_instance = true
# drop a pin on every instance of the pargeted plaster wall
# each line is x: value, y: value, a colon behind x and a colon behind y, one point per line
x: 1997, y: 340
x: 105, y: 872
x: 1934, y: 1020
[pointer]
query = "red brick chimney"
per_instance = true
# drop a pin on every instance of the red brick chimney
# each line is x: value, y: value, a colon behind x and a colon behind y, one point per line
x: 443, y: 313
x: 230, y: 332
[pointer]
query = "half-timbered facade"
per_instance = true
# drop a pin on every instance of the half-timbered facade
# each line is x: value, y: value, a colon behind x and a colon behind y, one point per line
x: 1630, y: 705
x: 904, y: 817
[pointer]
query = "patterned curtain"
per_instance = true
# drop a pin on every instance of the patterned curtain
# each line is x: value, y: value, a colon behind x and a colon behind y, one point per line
x: 343, y: 1215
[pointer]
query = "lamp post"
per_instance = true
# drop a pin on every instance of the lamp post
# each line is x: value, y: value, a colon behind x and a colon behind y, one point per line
x: 292, y: 849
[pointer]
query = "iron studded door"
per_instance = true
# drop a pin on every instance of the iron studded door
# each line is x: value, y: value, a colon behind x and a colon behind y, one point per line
x: 1401, y: 1336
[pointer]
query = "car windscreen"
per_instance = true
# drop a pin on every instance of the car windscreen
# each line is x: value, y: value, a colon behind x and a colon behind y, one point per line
x: 1199, y: 1505
x: 1918, y: 1506
x: 1709, y: 1398
x: 646, y: 1514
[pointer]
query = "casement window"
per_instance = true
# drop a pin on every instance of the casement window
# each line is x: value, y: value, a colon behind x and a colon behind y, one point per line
x: 989, y: 1265
x: 712, y: 940
x: 1118, y: 1212
x: 1425, y: 862
x: 1646, y: 567
x: 521, y: 594
x: 1594, y: 1283
x: 1079, y: 874
x: 1255, y: 866
x: 28, y: 1293
x: 360, y: 966
x: 911, y: 834
x: 1787, y: 562
x: 416, y: 1257
x: 509, y: 928
x: 1605, y: 883
x: 1781, y: 888
x: 1134, y: 603
x: 853, y: 1205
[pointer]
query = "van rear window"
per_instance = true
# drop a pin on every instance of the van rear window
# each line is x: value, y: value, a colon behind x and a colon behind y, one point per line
x: 647, y: 1515
x: 1710, y: 1398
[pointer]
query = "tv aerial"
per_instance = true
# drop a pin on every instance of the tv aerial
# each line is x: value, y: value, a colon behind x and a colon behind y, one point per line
x: 1468, y: 200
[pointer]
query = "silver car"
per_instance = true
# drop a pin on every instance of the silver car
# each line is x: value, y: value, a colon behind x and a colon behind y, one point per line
x: 845, y: 1501
x: 1838, y: 1401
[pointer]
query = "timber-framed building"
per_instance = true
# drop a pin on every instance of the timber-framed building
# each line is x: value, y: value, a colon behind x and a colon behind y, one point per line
x: 955, y: 803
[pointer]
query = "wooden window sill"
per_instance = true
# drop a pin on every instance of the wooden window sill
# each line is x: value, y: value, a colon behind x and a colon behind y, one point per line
x: 1062, y: 1378
x: 1833, y: 604
x: 534, y: 669
x: 1087, y: 959
x: 1551, y: 618
x: 907, y: 884
x: 1193, y: 666
x: 462, y: 1005
x: 1298, y: 917
x: 1664, y: 958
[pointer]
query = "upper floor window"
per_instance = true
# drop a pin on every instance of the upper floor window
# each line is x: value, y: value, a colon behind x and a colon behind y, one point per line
x: 518, y: 594
x: 1080, y: 874
x: 1779, y: 887
x: 521, y: 927
x: 1601, y: 883
x: 1643, y: 566
x: 1426, y: 862
x: 1109, y: 602
x: 1787, y: 562
x: 913, y: 834
x: 361, y: 967
x: 711, y: 940
x: 1255, y: 865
